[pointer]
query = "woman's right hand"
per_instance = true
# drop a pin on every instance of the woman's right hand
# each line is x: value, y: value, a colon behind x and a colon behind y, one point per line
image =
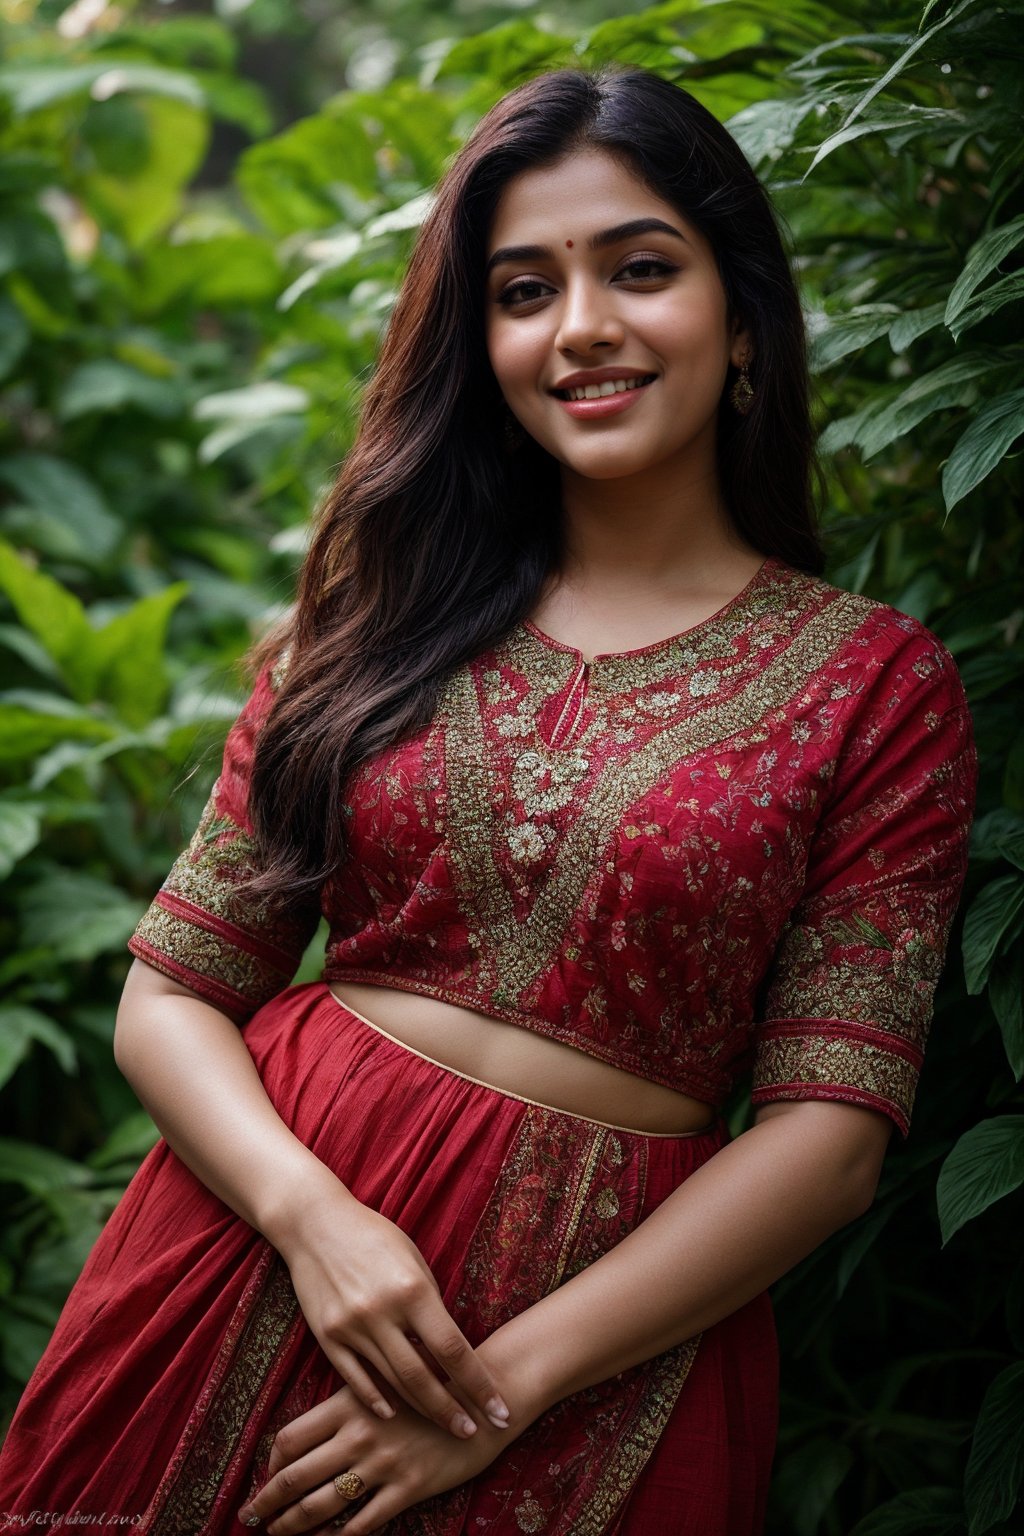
x: 363, y: 1287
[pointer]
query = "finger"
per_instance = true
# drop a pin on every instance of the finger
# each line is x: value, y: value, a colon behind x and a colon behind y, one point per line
x: 457, y: 1357
x: 295, y: 1498
x: 355, y: 1375
x: 308, y: 1514
x: 409, y: 1374
x: 306, y: 1433
x: 381, y: 1507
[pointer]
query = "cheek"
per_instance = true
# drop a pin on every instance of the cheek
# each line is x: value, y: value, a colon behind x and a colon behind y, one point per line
x: 516, y: 355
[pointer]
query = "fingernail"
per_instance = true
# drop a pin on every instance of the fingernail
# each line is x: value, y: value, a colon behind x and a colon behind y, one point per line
x: 464, y: 1424
x: 497, y: 1413
x: 246, y: 1518
x: 384, y: 1410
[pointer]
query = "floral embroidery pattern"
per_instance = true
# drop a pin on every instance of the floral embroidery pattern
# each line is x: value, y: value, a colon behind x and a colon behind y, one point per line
x: 669, y: 859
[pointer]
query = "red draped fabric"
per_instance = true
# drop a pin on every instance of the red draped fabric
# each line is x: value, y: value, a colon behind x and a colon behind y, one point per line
x: 182, y: 1348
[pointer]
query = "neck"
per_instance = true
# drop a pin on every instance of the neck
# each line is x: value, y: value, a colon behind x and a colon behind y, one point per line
x: 654, y: 531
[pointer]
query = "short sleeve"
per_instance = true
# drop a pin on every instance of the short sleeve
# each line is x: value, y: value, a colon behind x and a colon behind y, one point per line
x: 849, y: 1000
x: 200, y: 929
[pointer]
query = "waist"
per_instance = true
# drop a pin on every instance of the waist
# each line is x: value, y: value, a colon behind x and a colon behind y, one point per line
x: 527, y: 1066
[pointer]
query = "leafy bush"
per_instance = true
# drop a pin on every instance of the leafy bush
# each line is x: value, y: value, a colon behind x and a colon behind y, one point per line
x: 177, y: 367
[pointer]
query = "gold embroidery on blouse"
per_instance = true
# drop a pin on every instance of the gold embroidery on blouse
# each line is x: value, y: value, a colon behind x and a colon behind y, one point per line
x: 835, y: 1063
x: 517, y: 951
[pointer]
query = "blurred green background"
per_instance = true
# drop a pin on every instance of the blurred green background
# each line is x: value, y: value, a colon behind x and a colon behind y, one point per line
x: 204, y: 214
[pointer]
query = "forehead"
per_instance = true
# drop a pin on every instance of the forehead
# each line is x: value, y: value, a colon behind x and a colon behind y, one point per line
x: 577, y: 195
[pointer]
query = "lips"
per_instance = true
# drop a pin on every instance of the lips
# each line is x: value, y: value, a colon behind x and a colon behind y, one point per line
x: 601, y: 405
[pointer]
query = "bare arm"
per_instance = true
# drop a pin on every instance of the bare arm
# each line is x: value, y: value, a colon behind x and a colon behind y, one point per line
x: 752, y: 1212
x: 361, y: 1282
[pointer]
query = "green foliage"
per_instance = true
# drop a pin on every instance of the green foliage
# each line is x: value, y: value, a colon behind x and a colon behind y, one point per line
x: 179, y: 368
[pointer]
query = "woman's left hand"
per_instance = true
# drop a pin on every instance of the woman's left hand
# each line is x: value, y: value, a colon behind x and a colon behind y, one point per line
x: 401, y: 1461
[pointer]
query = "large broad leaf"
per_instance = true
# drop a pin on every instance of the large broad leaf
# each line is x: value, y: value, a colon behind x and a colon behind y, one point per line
x: 20, y: 831
x: 999, y: 834
x: 995, y: 1468
x: 920, y: 1512
x: 1006, y: 994
x: 20, y: 1027
x: 291, y: 181
x: 104, y: 384
x: 31, y: 88
x: 993, y: 918
x: 77, y: 916
x: 54, y: 615
x: 130, y: 1140
x: 987, y: 440
x: 986, y: 1164
x: 982, y: 258
x: 140, y: 200
x: 129, y: 655
x: 24, y: 733
x: 55, y: 489
x: 38, y: 1169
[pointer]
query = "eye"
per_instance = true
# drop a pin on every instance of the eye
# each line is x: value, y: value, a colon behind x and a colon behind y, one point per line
x: 646, y: 269
x: 525, y: 290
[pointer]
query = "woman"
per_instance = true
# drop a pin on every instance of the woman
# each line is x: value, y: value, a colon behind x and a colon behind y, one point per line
x: 456, y: 1239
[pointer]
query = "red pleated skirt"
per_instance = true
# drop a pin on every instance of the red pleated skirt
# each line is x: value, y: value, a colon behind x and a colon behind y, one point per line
x: 181, y: 1350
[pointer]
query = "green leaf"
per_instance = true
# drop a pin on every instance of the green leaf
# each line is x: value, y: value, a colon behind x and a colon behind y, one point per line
x: 20, y: 1026
x: 1006, y: 994
x: 806, y: 1481
x: 836, y: 336
x: 982, y: 258
x: 38, y: 1169
x: 290, y: 180
x: 107, y: 385
x: 986, y: 1164
x: 20, y: 831
x: 1010, y: 290
x: 24, y: 733
x: 77, y: 916
x: 993, y: 918
x: 129, y: 656
x: 914, y: 323
x: 918, y: 1512
x: 57, y: 489
x: 985, y: 443
x: 886, y: 419
x: 995, y: 1467
x: 999, y: 834
x: 140, y: 201
x: 885, y: 80
x: 130, y: 1140
x: 54, y: 615
x: 32, y: 88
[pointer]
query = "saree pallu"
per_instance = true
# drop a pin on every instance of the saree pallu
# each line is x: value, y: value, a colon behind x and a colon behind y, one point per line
x: 182, y: 1350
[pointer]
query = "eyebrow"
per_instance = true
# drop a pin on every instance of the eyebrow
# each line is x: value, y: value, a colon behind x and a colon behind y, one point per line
x: 598, y: 242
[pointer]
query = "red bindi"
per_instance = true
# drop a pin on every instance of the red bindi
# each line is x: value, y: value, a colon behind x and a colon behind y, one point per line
x: 568, y: 245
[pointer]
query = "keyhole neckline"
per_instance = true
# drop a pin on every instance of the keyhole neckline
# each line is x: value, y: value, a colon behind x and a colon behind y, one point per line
x: 763, y: 570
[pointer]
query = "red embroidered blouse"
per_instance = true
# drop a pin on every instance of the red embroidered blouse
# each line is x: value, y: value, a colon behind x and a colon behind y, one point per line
x: 741, y: 845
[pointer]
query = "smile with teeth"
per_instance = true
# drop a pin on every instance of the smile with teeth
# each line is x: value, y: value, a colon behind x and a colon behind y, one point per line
x: 609, y: 387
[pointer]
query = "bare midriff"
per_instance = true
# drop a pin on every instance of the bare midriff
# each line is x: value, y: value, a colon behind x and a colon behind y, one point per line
x: 526, y: 1065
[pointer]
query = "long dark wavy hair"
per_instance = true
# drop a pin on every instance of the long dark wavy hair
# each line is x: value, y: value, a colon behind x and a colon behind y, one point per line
x: 435, y: 541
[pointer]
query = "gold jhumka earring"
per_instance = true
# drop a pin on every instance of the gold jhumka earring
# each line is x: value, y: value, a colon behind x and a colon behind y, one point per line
x: 741, y: 395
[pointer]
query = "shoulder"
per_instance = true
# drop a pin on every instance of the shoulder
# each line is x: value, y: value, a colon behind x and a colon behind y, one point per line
x: 876, y: 647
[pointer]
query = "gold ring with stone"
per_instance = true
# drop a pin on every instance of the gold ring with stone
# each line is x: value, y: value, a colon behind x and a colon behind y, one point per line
x: 350, y: 1485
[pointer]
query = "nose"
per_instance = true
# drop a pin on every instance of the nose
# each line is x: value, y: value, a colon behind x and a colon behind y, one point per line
x: 588, y: 318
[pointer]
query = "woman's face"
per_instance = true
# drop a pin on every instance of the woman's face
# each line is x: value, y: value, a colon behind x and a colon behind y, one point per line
x: 593, y: 282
